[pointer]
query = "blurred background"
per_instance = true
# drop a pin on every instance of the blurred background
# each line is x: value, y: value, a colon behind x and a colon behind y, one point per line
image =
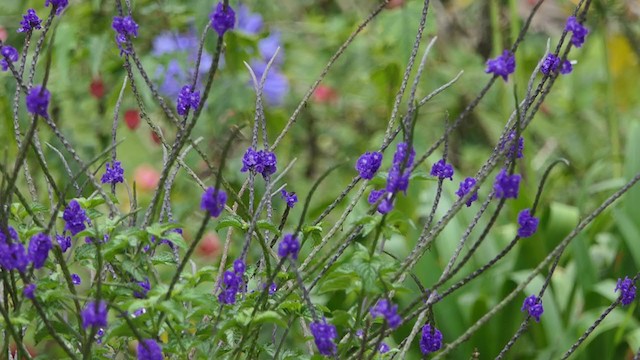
x: 591, y: 118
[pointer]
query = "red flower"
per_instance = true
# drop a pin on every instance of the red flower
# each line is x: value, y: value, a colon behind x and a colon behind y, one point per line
x: 132, y: 119
x: 97, y: 88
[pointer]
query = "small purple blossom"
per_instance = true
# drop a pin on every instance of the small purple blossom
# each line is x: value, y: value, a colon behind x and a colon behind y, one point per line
x: 248, y: 22
x: 139, y: 312
x: 528, y: 223
x: 520, y: 146
x: 59, y: 5
x: 627, y: 290
x: 124, y: 27
x: 403, y: 154
x: 533, y: 305
x: 30, y: 21
x: 368, y: 164
x: 9, y: 55
x: 39, y: 247
x: 114, y: 173
x: 64, y: 242
x: 384, y: 348
x: 290, y: 198
x: 578, y: 30
x: 324, y: 335
x: 213, y: 201
x: 566, y: 67
x: 465, y: 187
x: 263, y: 162
x: 268, y: 46
x: 75, y: 279
x: 442, y: 170
x: 385, y: 308
x: 289, y: 246
x: 239, y: 266
x: 550, y: 64
x: 29, y: 291
x: 143, y: 288
x: 222, y: 19
x: 396, y: 181
x: 187, y: 99
x: 75, y: 217
x: 375, y: 195
x: 506, y: 186
x: 276, y: 85
x: 38, y: 101
x: 431, y: 340
x: 149, y: 350
x: 94, y: 314
x: 502, y: 65
x: 13, y: 256
x: 273, y: 288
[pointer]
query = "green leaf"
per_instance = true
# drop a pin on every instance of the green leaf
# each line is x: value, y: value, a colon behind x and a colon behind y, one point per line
x: 234, y: 221
x: 269, y: 317
x: 338, y: 281
x: 85, y: 252
x: 265, y: 225
x: 163, y: 258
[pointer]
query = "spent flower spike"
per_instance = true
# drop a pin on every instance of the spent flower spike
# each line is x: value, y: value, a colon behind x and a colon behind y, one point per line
x: 503, y: 65
x: 213, y: 201
x: 222, y: 18
x: 627, y: 290
x: 30, y: 21
x: 528, y: 223
x: 533, y: 305
x: 368, y: 164
x: 431, y: 340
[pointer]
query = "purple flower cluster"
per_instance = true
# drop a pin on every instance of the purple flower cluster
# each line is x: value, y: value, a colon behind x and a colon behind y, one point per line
x: 187, y: 99
x: 397, y: 179
x: 578, y: 30
x: 289, y: 197
x: 368, y: 164
x: 431, y: 340
x: 64, y: 242
x: 324, y: 335
x: 59, y: 5
x: 12, y: 253
x: 533, y: 305
x: 502, y: 65
x: 149, y: 349
x: 261, y: 162
x: 9, y: 55
x: 512, y: 149
x: 385, y: 308
x: 551, y: 63
x: 289, y: 246
x: 143, y: 289
x: 528, y: 223
x: 39, y: 247
x: 442, y: 170
x: 114, y: 173
x: 75, y: 279
x: 232, y: 281
x: 213, y: 201
x: 124, y: 27
x: 38, y: 101
x: 627, y: 290
x: 29, y: 291
x: 30, y: 21
x: 75, y: 218
x: 222, y: 18
x: 465, y: 186
x: 94, y: 314
x: 506, y: 186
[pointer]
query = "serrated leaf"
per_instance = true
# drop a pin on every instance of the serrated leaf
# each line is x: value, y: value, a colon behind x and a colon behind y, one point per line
x: 84, y: 252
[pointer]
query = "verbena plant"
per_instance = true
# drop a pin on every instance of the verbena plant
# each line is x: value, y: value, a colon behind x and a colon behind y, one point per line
x: 270, y: 301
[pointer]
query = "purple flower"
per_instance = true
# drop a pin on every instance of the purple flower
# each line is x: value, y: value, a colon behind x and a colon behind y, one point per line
x: 506, y: 186
x: 139, y: 312
x: 213, y: 201
x: 627, y: 290
x: 579, y: 31
x: 528, y: 223
x: 30, y: 21
x: 263, y: 162
x: 239, y: 266
x: 533, y: 305
x: 502, y: 65
x: 384, y: 308
x: 99, y: 335
x: 9, y: 55
x: 29, y: 291
x: 64, y: 242
x: 384, y: 348
x: 431, y: 340
x: 397, y: 181
x: 222, y: 19
x: 124, y: 26
x: 13, y: 256
x: 442, y: 170
x: 324, y: 335
x: 94, y: 314
x: 375, y: 195
x: 75, y: 279
x: 566, y: 67
x: 232, y: 280
x: 403, y: 154
x: 149, y: 350
x: 550, y: 64
x: 465, y: 187
x: 289, y: 246
x: 290, y: 198
x: 276, y: 85
x: 520, y: 145
x: 273, y: 288
x: 368, y: 164
x: 144, y: 287
x: 386, y: 205
x: 75, y: 217
x: 38, y: 101
x: 187, y: 99
x: 39, y: 247
x: 268, y: 46
x: 114, y: 173
x: 248, y: 22
x: 59, y: 5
